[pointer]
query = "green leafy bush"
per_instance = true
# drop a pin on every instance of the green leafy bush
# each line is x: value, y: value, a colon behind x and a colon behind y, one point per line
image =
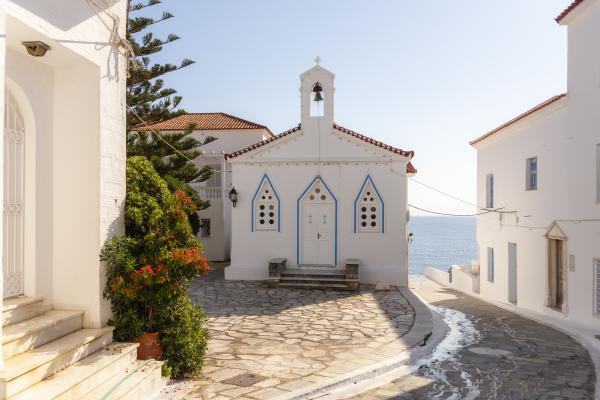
x: 149, y: 268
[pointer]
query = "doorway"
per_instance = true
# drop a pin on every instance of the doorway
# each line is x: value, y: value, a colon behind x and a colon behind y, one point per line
x: 14, y: 193
x: 317, y: 221
x: 555, y: 273
x: 512, y: 273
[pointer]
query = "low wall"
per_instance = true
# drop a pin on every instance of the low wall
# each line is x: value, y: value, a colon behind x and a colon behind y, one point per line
x: 461, y: 280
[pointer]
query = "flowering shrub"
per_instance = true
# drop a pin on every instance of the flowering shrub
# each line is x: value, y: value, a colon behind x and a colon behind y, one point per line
x: 149, y: 268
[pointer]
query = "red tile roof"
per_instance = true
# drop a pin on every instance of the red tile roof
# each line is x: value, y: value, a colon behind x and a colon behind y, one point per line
x: 518, y: 118
x: 260, y: 144
x: 204, y: 121
x: 377, y: 143
x: 410, y: 168
x: 567, y: 10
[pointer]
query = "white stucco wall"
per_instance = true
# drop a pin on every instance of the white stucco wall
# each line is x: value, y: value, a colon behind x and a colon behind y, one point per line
x: 73, y: 101
x: 563, y: 136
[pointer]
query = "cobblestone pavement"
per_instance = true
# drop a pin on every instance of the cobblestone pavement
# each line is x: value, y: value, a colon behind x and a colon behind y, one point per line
x: 510, y: 358
x: 292, y: 338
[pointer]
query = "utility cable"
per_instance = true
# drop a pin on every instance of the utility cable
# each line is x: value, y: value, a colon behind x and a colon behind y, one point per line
x: 454, y: 215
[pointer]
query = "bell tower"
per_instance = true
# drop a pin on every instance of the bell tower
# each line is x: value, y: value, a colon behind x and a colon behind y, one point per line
x: 316, y: 99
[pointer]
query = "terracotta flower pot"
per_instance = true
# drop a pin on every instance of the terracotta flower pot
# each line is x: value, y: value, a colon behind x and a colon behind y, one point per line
x: 150, y: 346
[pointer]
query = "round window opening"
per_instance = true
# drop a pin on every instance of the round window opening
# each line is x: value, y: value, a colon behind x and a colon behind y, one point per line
x: 373, y: 224
x: 312, y: 197
x: 262, y: 214
x: 317, y: 190
x: 363, y: 224
x: 364, y: 216
x: 271, y: 222
x: 363, y: 209
x: 262, y: 206
x: 262, y: 221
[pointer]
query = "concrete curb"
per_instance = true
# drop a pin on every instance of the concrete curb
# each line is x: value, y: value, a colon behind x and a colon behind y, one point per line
x: 418, y: 334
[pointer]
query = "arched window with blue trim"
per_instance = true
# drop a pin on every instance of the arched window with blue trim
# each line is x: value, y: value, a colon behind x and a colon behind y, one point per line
x: 369, y: 209
x: 265, y: 207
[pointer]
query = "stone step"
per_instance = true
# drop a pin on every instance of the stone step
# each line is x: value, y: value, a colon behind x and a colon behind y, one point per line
x: 139, y: 382
x: 22, y: 336
x: 85, y: 375
x: 313, y: 271
x: 17, y: 309
x: 25, y: 370
x: 322, y: 286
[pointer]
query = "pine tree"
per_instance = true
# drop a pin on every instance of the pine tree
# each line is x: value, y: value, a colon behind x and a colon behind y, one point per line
x: 148, y: 100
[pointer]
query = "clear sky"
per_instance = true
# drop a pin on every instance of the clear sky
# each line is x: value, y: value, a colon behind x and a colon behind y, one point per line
x: 421, y: 75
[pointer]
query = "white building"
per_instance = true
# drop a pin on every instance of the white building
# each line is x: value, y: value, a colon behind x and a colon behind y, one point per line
x: 542, y: 169
x: 63, y: 185
x: 320, y: 194
x: 232, y: 134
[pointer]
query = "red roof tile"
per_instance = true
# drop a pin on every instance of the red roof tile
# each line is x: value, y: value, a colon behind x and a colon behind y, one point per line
x: 410, y: 168
x: 204, y: 121
x: 567, y: 10
x: 377, y: 143
x: 518, y: 118
x: 260, y: 144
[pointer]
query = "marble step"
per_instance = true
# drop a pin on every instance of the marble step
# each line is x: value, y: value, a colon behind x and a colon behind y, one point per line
x: 131, y: 384
x: 22, y: 336
x: 309, y: 278
x: 322, y: 286
x: 313, y: 271
x: 25, y: 370
x: 17, y: 309
x: 85, y: 375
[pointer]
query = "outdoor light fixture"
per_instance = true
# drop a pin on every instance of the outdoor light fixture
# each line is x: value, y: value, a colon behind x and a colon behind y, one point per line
x: 233, y: 196
x: 36, y: 48
x: 410, y: 237
x: 317, y: 90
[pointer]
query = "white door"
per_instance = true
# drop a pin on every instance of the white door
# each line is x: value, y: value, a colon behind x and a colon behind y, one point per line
x: 14, y: 142
x: 317, y: 225
x: 512, y: 272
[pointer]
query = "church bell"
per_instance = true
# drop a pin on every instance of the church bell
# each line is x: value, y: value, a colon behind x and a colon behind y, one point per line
x: 317, y: 90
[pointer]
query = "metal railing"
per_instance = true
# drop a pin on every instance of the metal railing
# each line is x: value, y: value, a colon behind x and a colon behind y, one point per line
x: 210, y: 192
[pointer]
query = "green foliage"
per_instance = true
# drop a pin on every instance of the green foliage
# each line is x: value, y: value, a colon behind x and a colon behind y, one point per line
x: 149, y: 268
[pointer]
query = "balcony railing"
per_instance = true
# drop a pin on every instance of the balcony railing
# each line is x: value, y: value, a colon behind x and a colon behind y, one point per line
x: 209, y: 192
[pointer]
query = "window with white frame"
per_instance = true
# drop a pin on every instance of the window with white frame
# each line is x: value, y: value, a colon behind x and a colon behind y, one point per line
x: 489, y: 191
x: 266, y: 204
x: 369, y: 216
x: 490, y: 264
x: 531, y: 166
x: 597, y: 287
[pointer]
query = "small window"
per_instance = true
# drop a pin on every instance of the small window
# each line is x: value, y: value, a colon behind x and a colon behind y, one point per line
x: 204, y: 228
x: 490, y: 264
x: 369, y: 209
x: 597, y: 287
x: 489, y: 191
x: 531, y: 173
x: 266, y: 207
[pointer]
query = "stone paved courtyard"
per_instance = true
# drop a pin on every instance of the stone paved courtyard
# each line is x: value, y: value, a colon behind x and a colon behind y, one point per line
x: 292, y: 338
x: 511, y: 358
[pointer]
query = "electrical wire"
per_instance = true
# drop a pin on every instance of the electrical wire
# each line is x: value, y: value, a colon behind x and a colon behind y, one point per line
x: 158, y: 135
x: 454, y: 215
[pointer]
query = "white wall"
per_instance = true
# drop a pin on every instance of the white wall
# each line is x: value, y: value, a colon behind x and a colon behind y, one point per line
x: 76, y: 100
x: 383, y: 255
x: 564, y: 137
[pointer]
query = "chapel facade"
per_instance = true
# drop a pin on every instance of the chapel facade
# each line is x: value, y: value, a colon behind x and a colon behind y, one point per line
x: 320, y: 194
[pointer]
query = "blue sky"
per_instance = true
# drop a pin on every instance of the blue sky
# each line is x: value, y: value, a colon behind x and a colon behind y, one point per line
x: 426, y: 76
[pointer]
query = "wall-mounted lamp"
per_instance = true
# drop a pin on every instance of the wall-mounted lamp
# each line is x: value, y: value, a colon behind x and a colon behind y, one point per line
x: 233, y: 196
x: 411, y: 237
x: 36, y: 48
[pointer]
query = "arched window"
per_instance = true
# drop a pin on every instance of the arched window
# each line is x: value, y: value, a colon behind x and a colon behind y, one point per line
x: 265, y: 207
x: 368, y: 209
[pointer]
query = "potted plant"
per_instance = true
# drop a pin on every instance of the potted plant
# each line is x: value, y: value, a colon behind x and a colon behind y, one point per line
x: 149, y: 268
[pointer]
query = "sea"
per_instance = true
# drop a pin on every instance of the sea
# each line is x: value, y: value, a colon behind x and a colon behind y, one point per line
x: 439, y: 242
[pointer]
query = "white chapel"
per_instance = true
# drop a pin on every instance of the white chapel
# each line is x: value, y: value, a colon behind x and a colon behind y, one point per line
x: 320, y: 195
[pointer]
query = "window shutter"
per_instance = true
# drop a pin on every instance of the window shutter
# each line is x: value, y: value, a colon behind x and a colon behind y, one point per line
x: 490, y: 264
x: 597, y: 287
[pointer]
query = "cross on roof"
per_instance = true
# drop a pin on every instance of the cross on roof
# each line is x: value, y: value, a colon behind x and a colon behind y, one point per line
x: 317, y: 60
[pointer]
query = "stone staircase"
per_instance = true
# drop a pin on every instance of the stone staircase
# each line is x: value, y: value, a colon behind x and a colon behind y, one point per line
x: 313, y: 277
x: 49, y: 355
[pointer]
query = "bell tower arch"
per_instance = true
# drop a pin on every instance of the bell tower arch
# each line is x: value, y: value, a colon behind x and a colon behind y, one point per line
x: 316, y: 98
